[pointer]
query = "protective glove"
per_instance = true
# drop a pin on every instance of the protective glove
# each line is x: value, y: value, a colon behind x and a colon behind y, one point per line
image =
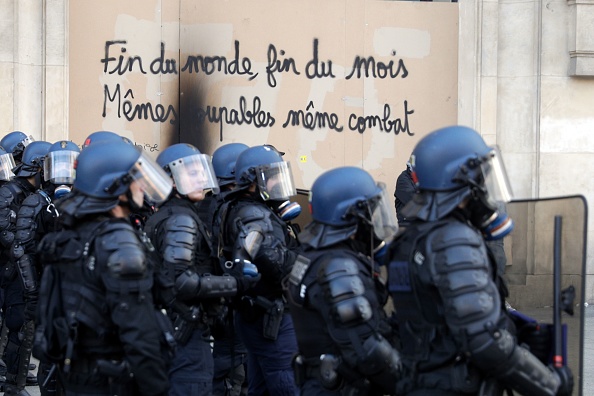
x: 539, y: 339
x: 246, y: 274
x: 566, y: 378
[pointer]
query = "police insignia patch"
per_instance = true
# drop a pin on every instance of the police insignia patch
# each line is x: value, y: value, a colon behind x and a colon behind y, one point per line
x: 299, y: 269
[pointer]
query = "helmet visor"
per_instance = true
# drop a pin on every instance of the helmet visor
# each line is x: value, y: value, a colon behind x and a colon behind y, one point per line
x: 496, y: 180
x: 194, y: 173
x: 275, y: 181
x: 58, y: 167
x: 6, y: 166
x: 383, y: 217
x: 155, y: 183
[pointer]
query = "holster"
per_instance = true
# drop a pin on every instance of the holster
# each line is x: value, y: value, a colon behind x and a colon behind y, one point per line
x: 273, y: 316
x: 183, y: 330
x: 118, y: 371
x: 299, y: 370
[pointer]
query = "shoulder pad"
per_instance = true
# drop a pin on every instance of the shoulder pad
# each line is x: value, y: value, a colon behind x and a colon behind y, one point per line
x: 25, y: 221
x: 126, y: 255
x: 180, y: 240
x: 181, y: 222
x: 128, y: 261
x: 7, y: 193
x: 116, y: 234
x: 455, y: 233
x: 249, y: 213
x: 334, y: 267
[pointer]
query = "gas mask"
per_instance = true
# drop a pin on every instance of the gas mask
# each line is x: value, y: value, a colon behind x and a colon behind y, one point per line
x: 62, y: 191
x: 286, y: 210
x: 490, y: 218
x: 487, y: 204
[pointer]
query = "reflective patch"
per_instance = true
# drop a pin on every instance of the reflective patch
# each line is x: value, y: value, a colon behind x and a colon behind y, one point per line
x: 419, y: 258
x: 399, y: 277
x: 303, y: 291
x: 299, y: 269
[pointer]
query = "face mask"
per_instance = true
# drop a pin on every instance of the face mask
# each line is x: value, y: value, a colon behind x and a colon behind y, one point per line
x: 61, y: 191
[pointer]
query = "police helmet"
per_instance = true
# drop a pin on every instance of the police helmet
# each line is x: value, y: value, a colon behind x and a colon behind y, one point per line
x: 58, y: 167
x: 105, y: 171
x: 265, y: 167
x: 455, y: 157
x: 33, y: 159
x: 15, y: 143
x: 190, y: 169
x: 347, y: 196
x: 104, y: 136
x: 223, y: 162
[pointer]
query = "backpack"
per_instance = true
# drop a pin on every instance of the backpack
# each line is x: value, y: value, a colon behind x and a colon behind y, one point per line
x: 55, y: 332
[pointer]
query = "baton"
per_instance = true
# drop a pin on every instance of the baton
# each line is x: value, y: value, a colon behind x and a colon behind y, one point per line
x: 557, y: 341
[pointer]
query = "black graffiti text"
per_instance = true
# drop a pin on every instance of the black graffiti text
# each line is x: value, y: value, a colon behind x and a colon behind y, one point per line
x: 210, y: 64
x: 125, y: 64
x: 140, y: 111
x: 276, y: 65
x: 317, y: 69
x: 370, y: 67
x: 385, y: 123
x: 311, y: 120
x: 222, y: 115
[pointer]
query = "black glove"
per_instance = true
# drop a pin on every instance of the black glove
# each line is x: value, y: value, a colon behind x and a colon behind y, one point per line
x: 244, y: 282
x: 539, y: 339
x: 566, y: 377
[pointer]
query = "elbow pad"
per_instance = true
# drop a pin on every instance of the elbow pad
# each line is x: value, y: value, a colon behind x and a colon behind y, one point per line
x: 513, y: 365
x: 187, y: 285
x: 190, y: 285
x: 339, y: 278
x: 247, y: 244
x: 381, y: 363
x: 28, y: 274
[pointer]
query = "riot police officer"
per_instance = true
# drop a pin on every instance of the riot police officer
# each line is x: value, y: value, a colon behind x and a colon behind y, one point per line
x: 36, y: 217
x: 120, y: 344
x: 28, y: 179
x: 448, y: 295
x: 15, y: 143
x: 7, y: 164
x: 183, y: 245
x: 229, y: 352
x: 334, y: 290
x: 102, y: 137
x: 254, y: 234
